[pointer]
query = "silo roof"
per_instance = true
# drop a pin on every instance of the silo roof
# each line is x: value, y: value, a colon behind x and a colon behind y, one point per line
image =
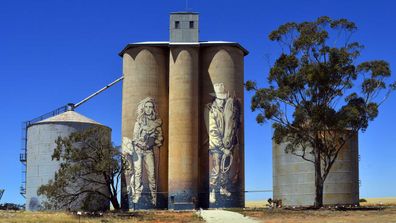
x: 168, y: 44
x: 69, y: 116
x: 185, y: 12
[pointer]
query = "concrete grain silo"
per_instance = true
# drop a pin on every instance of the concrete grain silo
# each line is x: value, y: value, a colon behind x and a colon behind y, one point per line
x: 183, y: 127
x: 145, y: 84
x: 294, y: 181
x: 188, y: 83
x: 222, y: 67
x: 41, y: 168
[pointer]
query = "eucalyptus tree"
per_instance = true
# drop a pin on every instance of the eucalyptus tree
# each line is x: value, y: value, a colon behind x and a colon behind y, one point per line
x: 319, y: 93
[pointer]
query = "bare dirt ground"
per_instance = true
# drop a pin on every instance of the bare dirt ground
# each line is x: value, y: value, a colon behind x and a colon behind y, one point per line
x: 61, y: 217
x: 384, y: 215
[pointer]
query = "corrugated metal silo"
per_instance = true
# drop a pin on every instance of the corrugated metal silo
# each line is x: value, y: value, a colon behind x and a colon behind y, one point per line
x: 294, y: 182
x: 41, y: 138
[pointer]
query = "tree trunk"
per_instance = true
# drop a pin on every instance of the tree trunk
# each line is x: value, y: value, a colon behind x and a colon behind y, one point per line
x: 318, y: 182
x: 113, y: 194
x: 115, y: 203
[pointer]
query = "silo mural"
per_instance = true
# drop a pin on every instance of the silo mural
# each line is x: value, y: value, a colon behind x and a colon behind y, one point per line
x: 144, y: 128
x: 222, y: 146
x: 147, y: 137
x: 224, y: 123
x: 182, y: 124
x: 182, y: 121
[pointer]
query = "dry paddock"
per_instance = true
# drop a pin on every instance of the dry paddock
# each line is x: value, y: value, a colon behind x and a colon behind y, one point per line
x: 381, y: 215
x: 61, y: 217
x: 378, y: 210
x: 383, y: 201
x: 386, y: 213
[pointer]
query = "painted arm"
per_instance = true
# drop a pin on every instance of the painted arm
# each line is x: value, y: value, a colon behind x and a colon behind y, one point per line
x: 215, y: 136
x: 159, y: 139
x: 137, y: 139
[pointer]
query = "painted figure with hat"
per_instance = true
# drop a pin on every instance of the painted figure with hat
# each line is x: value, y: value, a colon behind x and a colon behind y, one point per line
x: 223, y: 125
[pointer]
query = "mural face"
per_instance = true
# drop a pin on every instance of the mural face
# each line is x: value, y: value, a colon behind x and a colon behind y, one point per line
x: 224, y: 122
x: 147, y: 136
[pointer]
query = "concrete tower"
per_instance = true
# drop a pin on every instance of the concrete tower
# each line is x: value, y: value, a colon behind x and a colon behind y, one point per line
x: 183, y: 110
x: 184, y: 27
x: 182, y: 120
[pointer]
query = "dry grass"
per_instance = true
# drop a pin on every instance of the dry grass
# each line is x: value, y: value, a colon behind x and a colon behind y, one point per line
x: 385, y: 215
x: 383, y: 201
x: 61, y: 217
x: 256, y: 204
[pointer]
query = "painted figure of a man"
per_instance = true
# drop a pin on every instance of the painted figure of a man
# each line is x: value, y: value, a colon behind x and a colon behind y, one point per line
x: 147, y: 135
x: 223, y: 127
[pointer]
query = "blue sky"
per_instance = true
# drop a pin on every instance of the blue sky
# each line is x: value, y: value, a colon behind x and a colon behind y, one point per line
x: 57, y: 51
